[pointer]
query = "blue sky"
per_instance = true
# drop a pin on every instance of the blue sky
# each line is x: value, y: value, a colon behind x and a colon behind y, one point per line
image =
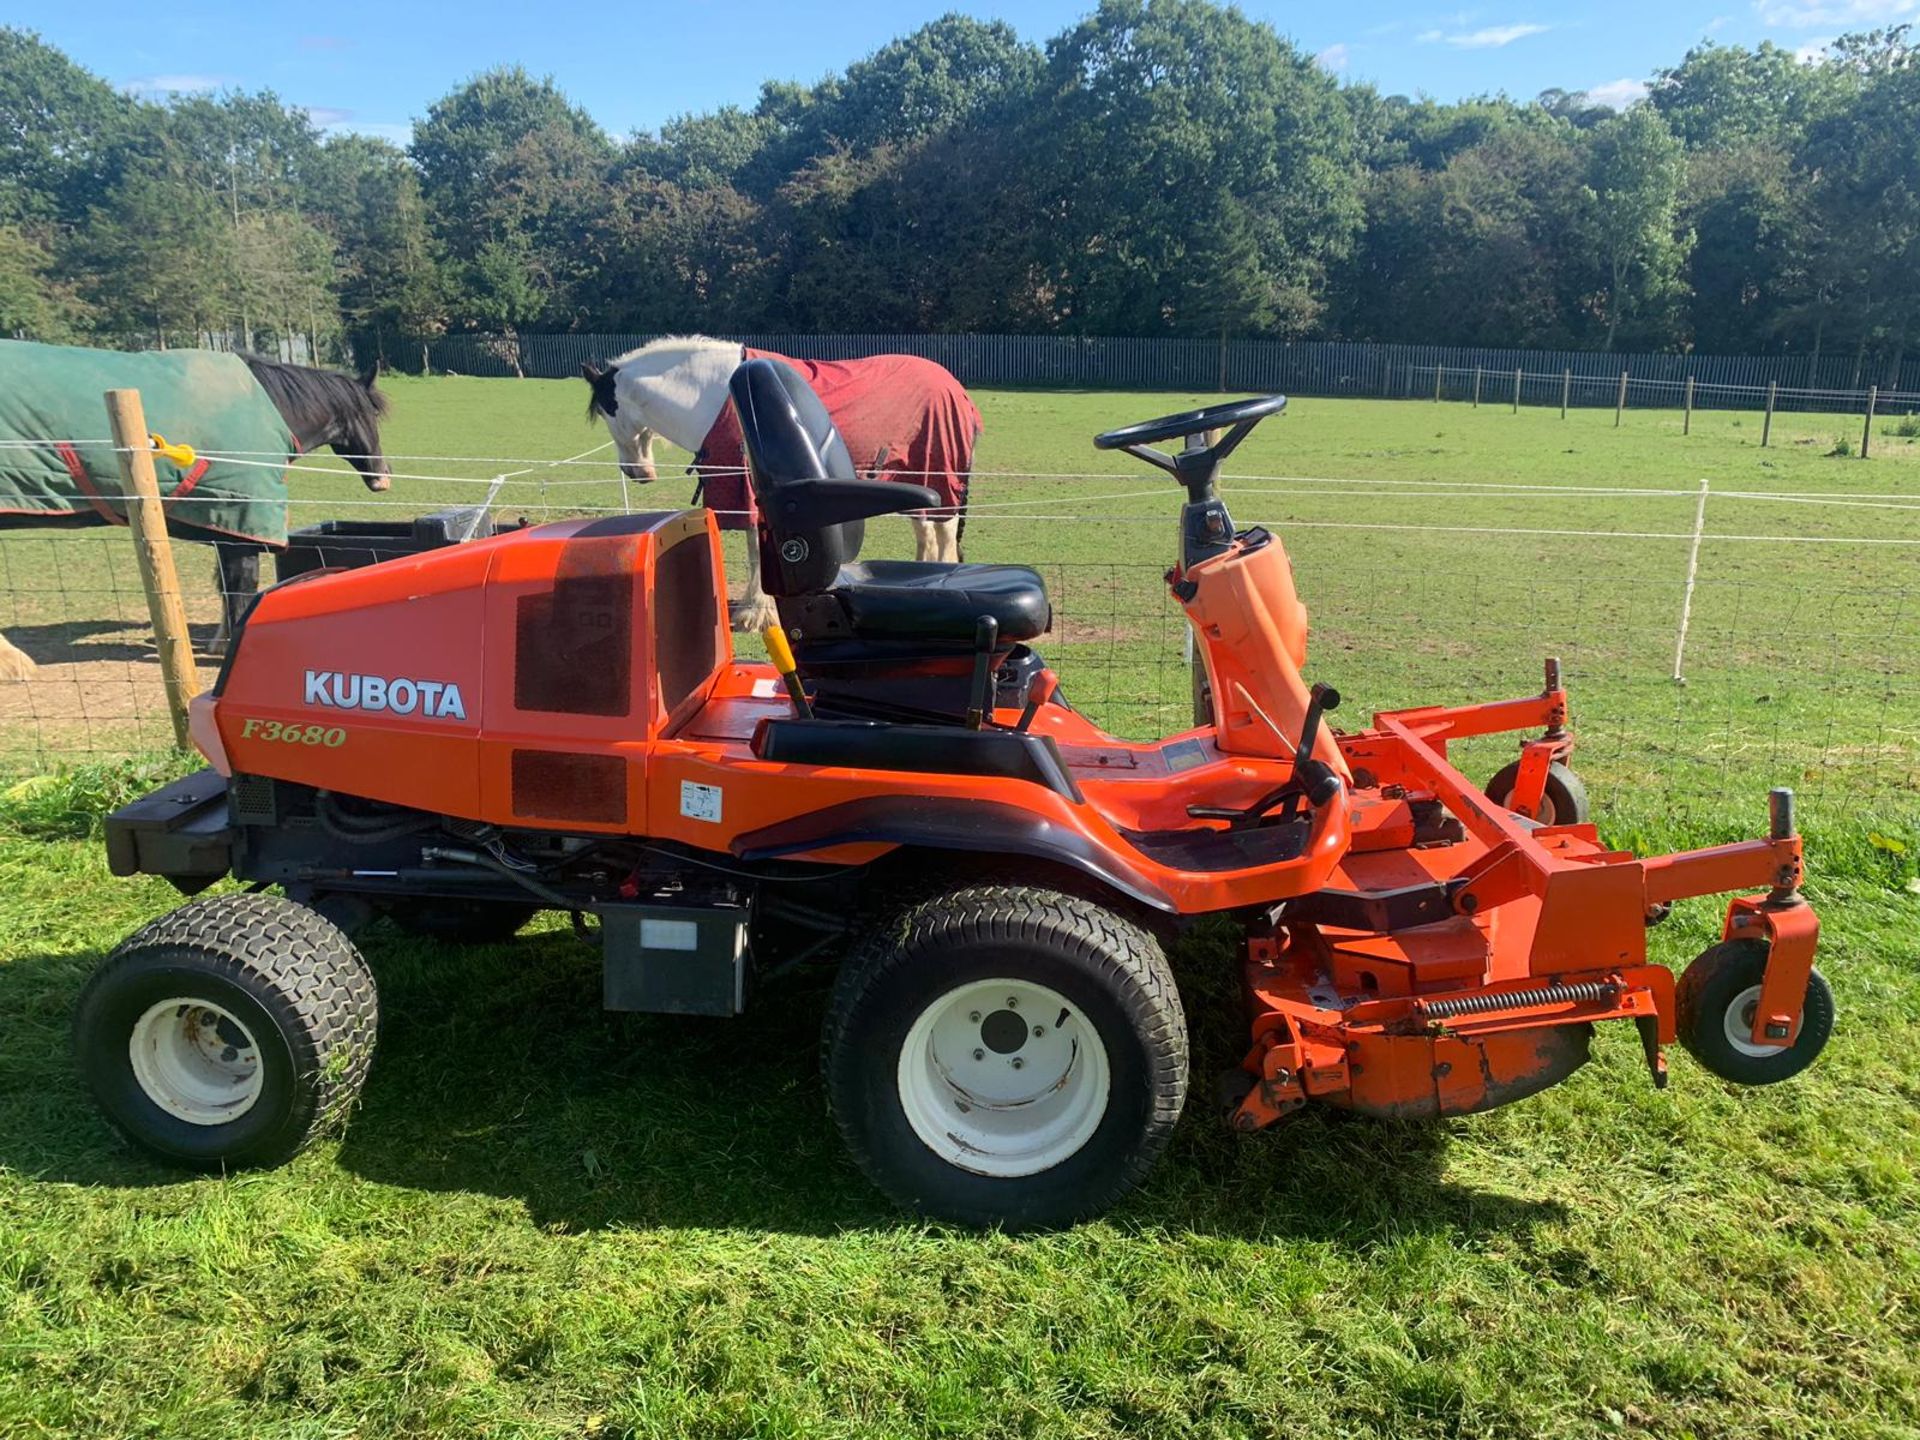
x: 374, y: 67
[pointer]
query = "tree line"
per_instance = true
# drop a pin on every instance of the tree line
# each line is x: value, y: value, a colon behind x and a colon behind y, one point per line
x: 1161, y: 167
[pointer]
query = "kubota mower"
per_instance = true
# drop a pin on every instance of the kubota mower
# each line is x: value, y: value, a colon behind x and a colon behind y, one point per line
x: 554, y: 719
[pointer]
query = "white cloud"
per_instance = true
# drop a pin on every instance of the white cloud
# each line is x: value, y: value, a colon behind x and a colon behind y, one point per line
x: 1333, y: 58
x: 1490, y: 38
x: 174, y: 84
x: 326, y: 116
x: 1847, y: 14
x: 1718, y: 23
x: 1814, y: 50
x: 1618, y: 94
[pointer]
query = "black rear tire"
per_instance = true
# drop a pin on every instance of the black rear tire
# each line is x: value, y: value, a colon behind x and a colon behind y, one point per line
x: 1716, y: 995
x: 1563, y: 802
x: 462, y: 922
x: 1103, y: 998
x: 282, y: 989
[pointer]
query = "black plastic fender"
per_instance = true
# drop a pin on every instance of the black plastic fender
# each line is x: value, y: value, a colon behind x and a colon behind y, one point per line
x: 942, y: 823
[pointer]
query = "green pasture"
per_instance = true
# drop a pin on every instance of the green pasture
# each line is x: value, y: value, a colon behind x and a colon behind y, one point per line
x: 548, y: 1221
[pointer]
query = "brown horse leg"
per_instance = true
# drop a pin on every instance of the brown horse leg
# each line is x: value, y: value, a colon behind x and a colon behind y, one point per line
x: 15, y: 665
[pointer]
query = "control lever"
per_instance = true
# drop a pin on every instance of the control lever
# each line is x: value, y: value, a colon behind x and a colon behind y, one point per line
x: 1039, y: 692
x: 986, y: 636
x: 1313, y: 780
x: 781, y: 654
x: 1319, y: 780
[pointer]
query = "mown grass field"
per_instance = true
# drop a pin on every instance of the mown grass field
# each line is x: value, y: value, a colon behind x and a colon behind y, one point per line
x: 548, y: 1221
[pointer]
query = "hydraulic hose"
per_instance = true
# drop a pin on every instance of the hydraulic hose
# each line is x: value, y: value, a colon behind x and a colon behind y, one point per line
x: 365, y: 832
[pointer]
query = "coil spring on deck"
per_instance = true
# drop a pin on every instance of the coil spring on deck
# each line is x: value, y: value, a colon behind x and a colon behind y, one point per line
x: 1544, y: 995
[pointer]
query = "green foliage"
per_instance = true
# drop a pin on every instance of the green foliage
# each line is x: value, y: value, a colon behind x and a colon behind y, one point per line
x: 1635, y: 174
x: 72, y: 801
x: 33, y: 303
x: 1197, y: 114
x: 1906, y: 426
x: 63, y: 132
x: 947, y: 181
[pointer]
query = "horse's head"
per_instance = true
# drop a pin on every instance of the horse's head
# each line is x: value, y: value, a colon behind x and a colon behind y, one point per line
x: 631, y: 435
x: 324, y: 407
x: 356, y: 437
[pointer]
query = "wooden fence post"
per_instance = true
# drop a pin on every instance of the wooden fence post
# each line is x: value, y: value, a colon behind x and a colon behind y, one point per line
x: 1620, y: 405
x: 1516, y: 392
x: 1686, y: 413
x: 1566, y: 389
x: 1866, y: 435
x: 1476, y: 387
x: 153, y: 549
x: 1766, y: 425
x: 1438, y: 371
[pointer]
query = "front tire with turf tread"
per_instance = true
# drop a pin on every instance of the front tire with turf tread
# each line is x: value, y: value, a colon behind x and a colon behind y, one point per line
x: 288, y: 975
x: 1102, y: 962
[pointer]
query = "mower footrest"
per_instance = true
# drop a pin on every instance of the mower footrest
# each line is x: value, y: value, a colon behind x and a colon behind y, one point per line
x: 1210, y: 851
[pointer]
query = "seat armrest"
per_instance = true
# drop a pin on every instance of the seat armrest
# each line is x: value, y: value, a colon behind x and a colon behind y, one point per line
x: 815, y: 504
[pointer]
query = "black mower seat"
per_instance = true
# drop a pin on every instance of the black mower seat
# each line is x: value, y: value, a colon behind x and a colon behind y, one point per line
x: 909, y: 599
x: 813, y: 509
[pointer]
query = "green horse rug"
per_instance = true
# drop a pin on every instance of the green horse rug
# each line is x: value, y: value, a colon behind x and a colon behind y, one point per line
x: 246, y: 418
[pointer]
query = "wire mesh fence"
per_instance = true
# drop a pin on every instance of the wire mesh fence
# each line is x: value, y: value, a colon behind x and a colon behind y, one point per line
x: 1624, y: 387
x: 1162, y: 362
x: 1802, y: 676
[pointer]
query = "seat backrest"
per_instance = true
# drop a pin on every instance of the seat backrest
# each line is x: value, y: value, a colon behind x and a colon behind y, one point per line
x: 788, y: 437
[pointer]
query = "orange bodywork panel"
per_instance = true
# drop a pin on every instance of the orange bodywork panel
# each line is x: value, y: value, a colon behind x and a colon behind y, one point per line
x: 526, y: 681
x: 1253, y: 633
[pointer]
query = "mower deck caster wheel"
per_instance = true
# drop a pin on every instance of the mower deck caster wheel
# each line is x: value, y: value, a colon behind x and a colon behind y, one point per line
x: 233, y: 1031
x: 1715, y: 1002
x: 462, y: 922
x: 1563, y: 802
x: 1006, y: 1055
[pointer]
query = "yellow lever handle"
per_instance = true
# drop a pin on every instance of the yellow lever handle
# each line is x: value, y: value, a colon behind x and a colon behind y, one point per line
x: 781, y: 654
x: 181, y: 455
x: 778, y: 650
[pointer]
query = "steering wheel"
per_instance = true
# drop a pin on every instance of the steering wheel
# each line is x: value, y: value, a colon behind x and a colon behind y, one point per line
x: 1192, y: 422
x: 1196, y: 466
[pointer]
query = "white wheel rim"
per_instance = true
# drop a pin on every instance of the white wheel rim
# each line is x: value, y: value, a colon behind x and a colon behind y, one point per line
x: 1738, y: 1024
x: 196, y: 1061
x: 1003, y: 1078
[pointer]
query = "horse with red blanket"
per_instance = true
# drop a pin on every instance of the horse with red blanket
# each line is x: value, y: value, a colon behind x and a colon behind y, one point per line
x: 902, y: 418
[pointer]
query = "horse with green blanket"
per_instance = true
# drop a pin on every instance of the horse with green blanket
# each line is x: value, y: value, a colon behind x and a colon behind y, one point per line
x: 246, y: 417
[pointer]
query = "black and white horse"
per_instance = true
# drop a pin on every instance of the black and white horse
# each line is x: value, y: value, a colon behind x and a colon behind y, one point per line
x: 902, y: 418
x: 319, y: 407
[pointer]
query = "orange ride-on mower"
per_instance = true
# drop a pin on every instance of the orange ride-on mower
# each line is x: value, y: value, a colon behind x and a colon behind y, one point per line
x: 554, y: 719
